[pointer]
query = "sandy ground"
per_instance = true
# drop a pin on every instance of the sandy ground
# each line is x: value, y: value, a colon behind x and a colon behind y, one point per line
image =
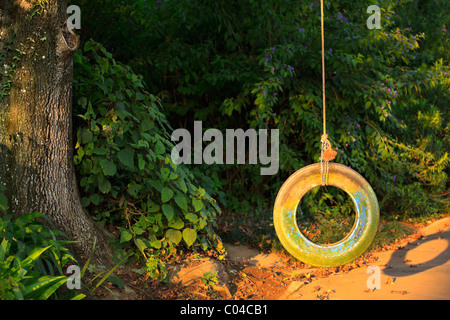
x: 418, y: 271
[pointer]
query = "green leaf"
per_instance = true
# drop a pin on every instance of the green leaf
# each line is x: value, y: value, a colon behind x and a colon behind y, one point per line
x: 95, y: 198
x: 156, y: 244
x: 100, y: 151
x: 28, y: 217
x: 85, y: 201
x: 181, y: 201
x: 141, y: 162
x: 152, y: 207
x: 106, y: 276
x: 189, y: 236
x: 174, y: 236
x: 160, y: 148
x: 165, y: 173
x: 191, y: 217
x: 108, y: 167
x: 86, y: 136
x: 168, y: 211
x: 44, y: 287
x: 125, y: 236
x: 173, y: 176
x: 140, y: 244
x: 138, y: 230
x: 166, y: 194
x: 126, y: 157
x: 176, y: 224
x: 134, y: 188
x: 33, y: 256
x: 3, y: 249
x: 103, y: 184
x: 146, y: 125
x: 182, y: 186
x: 198, y: 204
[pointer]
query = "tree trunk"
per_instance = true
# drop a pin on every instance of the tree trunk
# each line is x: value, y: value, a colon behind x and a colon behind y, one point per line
x: 36, y: 148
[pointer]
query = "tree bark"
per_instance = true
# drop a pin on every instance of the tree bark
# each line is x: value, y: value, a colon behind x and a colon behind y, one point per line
x: 36, y: 148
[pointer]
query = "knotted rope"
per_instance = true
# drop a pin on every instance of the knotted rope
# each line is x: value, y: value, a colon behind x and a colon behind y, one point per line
x: 327, y: 153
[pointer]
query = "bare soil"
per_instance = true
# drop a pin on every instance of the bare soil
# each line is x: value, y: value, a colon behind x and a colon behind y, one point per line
x: 416, y: 266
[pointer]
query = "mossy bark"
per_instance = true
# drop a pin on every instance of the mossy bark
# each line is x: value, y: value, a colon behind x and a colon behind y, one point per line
x: 36, y: 147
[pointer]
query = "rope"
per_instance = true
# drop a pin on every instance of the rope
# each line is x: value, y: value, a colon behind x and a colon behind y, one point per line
x: 323, y: 69
x: 327, y: 153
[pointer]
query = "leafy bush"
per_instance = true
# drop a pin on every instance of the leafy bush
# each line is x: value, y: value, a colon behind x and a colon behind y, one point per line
x: 258, y: 64
x: 124, y: 165
x: 326, y: 215
x: 31, y: 258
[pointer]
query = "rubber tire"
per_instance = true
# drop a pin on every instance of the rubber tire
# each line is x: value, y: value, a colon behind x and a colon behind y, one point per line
x: 339, y: 253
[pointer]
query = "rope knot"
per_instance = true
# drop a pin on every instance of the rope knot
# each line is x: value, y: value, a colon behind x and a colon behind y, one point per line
x: 328, y: 154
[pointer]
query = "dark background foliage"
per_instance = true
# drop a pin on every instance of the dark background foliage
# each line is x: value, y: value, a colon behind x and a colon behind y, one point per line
x: 257, y: 64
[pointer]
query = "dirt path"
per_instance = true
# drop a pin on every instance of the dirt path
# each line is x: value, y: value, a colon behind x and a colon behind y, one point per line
x: 419, y: 268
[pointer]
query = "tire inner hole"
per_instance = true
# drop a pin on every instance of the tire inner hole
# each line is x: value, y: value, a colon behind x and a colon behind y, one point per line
x: 326, y: 215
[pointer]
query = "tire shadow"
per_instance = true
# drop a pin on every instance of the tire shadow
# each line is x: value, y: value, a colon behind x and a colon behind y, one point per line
x: 412, y: 259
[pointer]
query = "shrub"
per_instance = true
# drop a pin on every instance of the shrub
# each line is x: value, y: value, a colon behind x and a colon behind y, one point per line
x: 125, y: 171
x: 31, y: 258
x: 258, y: 64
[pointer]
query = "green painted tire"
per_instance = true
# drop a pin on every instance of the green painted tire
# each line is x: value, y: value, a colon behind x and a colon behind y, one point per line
x: 339, y: 253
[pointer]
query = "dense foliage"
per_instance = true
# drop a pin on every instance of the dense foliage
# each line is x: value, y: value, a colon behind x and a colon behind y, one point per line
x: 124, y: 165
x: 32, y: 257
x: 257, y: 64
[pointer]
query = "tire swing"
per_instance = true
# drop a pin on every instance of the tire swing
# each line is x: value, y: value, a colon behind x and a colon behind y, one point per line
x: 324, y: 174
